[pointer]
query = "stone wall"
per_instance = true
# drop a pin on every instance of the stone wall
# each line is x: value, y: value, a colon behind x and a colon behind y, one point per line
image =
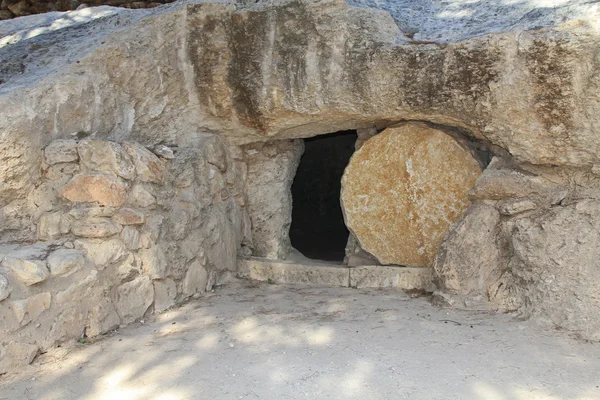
x: 118, y: 231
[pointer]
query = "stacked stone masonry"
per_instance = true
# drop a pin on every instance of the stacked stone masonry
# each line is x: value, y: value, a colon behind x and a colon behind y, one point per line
x: 121, y: 231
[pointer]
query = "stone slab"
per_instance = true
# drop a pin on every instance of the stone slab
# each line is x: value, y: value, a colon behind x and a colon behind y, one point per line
x: 278, y: 271
x: 324, y: 274
x: 380, y: 276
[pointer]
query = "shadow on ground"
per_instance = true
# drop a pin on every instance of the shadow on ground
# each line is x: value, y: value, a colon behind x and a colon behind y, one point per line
x: 250, y: 341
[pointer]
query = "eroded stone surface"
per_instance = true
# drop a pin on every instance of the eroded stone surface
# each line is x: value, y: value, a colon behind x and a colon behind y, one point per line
x: 30, y: 309
x: 403, y: 189
x: 133, y: 298
x: 64, y: 262
x: 61, y: 151
x: 95, y: 187
x: 5, y: 287
x: 106, y: 156
x: 29, y: 272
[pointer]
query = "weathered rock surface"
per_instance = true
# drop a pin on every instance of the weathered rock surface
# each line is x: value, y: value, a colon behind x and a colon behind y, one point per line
x: 31, y: 308
x: 29, y: 272
x: 104, y: 189
x: 61, y: 151
x: 5, y: 287
x: 403, y: 189
x: 134, y: 298
x: 471, y: 257
x: 106, y: 156
x: 271, y: 169
x: 64, y: 262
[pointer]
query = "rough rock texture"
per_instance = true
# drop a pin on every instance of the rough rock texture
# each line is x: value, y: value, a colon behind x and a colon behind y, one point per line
x: 518, y: 79
x: 99, y: 263
x: 271, y: 169
x: 403, y: 189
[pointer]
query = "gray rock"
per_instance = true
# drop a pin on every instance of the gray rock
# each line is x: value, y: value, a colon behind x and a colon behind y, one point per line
x: 5, y: 288
x: 153, y: 262
x: 140, y: 197
x: 64, y: 262
x: 470, y: 258
x: 132, y: 299
x: 149, y: 168
x: 271, y: 169
x: 165, y: 292
x: 196, y: 279
x: 163, y: 151
x: 131, y: 237
x: 61, y: 151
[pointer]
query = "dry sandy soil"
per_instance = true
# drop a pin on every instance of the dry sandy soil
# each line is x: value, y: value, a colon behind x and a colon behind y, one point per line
x: 260, y: 341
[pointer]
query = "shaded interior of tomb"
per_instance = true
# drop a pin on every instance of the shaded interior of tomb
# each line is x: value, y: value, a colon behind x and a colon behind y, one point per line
x: 318, y: 230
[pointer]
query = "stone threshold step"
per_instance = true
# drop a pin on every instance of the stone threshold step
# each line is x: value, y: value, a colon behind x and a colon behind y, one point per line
x: 325, y: 274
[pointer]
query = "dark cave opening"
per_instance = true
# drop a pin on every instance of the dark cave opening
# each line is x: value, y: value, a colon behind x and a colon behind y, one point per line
x: 318, y: 230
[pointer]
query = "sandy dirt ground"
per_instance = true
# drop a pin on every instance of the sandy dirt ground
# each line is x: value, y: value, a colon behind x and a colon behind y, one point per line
x: 258, y: 341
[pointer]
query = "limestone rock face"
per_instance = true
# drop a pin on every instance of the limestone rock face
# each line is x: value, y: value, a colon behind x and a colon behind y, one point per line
x: 5, y: 288
x: 403, y: 189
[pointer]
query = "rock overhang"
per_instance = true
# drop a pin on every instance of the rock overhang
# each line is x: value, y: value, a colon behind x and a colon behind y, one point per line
x: 300, y: 68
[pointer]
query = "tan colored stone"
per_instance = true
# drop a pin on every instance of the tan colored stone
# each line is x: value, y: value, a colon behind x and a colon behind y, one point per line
x: 102, y: 318
x: 31, y: 308
x: 103, y: 252
x: 61, y: 151
x: 29, y: 272
x: 403, y: 189
x: 277, y: 271
x: 95, y: 227
x: 106, y: 156
x: 49, y: 225
x: 105, y: 189
x: 149, y: 167
x: 17, y: 354
x: 129, y: 216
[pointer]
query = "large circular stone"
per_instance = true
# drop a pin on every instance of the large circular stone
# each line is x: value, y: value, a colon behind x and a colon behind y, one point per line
x: 403, y: 189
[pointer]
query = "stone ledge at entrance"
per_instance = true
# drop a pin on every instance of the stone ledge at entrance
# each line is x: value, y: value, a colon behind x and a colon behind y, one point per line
x: 329, y: 274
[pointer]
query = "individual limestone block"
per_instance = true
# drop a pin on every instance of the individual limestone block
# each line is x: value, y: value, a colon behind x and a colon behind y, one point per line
x: 95, y: 227
x: 133, y: 298
x: 149, y: 167
x: 100, y: 155
x: 31, y: 308
x: 131, y: 237
x: 64, y: 262
x: 195, y: 279
x: 61, y: 151
x: 154, y: 263
x: 29, y: 272
x: 102, y: 318
x: 103, y: 252
x: 403, y: 189
x: 17, y: 354
x: 49, y: 225
x: 107, y: 190
x: 129, y: 216
x: 165, y: 292
x: 140, y: 197
x: 5, y: 288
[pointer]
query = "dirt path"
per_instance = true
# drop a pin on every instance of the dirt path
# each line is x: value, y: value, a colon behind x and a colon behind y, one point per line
x: 248, y: 341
